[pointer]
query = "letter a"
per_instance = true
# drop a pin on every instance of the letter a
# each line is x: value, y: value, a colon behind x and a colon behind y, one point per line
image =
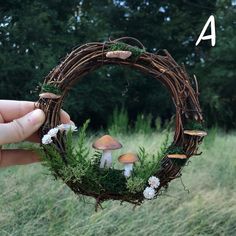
x: 212, y: 36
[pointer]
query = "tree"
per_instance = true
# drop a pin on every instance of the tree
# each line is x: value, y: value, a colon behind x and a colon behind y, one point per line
x: 217, y: 71
x: 35, y: 35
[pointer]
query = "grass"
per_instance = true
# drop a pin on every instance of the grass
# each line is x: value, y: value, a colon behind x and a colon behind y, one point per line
x: 32, y: 203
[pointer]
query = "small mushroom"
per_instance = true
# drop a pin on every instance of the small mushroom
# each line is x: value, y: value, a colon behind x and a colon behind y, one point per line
x: 177, y: 156
x: 106, y: 143
x: 199, y: 133
x: 128, y: 160
x: 119, y: 54
x: 49, y: 95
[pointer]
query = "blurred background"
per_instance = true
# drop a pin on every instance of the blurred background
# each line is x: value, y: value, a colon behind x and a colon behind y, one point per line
x: 35, y: 35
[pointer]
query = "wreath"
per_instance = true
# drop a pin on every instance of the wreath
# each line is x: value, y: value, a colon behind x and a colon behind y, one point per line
x: 88, y: 170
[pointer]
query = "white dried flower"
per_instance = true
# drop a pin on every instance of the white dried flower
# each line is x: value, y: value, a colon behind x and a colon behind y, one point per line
x: 53, y: 132
x: 67, y: 127
x: 149, y: 193
x: 154, y: 182
x: 46, y: 139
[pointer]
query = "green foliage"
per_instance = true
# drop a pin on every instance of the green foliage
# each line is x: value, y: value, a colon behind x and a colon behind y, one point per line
x: 143, y: 124
x: 73, y: 164
x: 119, y: 122
x: 77, y: 166
x: 136, y: 52
x: 216, y: 71
x: 136, y: 184
x: 32, y: 204
x: 146, y: 167
x: 52, y: 160
x: 209, y: 140
x: 34, y: 37
x: 158, y: 124
x: 80, y: 166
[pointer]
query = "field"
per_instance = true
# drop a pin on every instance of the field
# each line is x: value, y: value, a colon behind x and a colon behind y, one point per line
x: 32, y: 203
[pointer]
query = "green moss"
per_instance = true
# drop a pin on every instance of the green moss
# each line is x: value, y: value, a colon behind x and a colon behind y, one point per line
x: 81, y: 167
x: 136, y: 184
x: 136, y: 52
x: 193, y: 125
x: 175, y: 150
x: 50, y: 88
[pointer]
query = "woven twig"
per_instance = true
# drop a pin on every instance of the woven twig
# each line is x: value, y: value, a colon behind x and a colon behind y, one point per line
x: 91, y: 56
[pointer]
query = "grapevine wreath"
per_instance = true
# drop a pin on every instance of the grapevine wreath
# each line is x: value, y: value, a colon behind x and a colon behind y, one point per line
x: 88, y: 170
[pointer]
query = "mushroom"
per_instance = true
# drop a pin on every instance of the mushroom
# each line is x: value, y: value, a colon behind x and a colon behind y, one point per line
x: 119, y: 54
x: 128, y: 160
x: 199, y: 133
x: 177, y: 156
x: 106, y: 143
x: 49, y: 95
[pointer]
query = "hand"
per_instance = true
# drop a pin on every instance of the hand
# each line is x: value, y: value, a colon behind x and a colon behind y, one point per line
x: 20, y: 121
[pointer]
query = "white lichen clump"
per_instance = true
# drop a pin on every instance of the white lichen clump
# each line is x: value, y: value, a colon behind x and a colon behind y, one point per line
x: 154, y: 182
x: 47, y: 139
x: 67, y: 127
x: 149, y: 193
x: 52, y: 133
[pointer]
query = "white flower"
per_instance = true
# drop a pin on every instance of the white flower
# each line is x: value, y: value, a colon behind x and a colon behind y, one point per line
x: 149, y: 192
x: 53, y: 132
x: 67, y: 127
x: 46, y: 139
x: 154, y: 182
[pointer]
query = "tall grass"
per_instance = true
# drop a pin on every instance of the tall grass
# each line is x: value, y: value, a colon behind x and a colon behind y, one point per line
x: 32, y: 203
x: 118, y: 122
x: 144, y: 123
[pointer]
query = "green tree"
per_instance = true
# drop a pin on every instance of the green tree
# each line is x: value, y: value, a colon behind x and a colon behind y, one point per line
x: 35, y: 35
x: 217, y: 72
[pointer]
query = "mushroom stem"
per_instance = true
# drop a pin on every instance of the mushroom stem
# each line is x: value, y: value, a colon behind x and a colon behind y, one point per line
x: 128, y: 169
x: 106, y: 160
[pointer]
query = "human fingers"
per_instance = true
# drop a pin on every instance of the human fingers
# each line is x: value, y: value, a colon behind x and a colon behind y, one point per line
x: 17, y: 157
x: 22, y: 128
x: 10, y: 109
x: 65, y: 119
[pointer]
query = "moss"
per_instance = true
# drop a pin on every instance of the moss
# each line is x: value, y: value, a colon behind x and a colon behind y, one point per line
x: 194, y: 125
x: 175, y: 150
x: 136, y: 52
x: 136, y: 184
x: 50, y: 88
x: 81, y: 167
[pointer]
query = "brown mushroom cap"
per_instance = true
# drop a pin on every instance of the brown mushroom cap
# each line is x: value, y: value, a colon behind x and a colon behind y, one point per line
x: 119, y: 54
x: 199, y: 133
x: 128, y: 158
x: 106, y: 142
x: 49, y: 95
x: 177, y: 156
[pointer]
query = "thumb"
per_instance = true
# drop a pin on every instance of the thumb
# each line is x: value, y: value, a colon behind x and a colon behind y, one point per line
x: 20, y: 129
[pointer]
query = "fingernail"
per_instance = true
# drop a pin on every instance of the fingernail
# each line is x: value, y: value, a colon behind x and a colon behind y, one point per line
x: 36, y: 117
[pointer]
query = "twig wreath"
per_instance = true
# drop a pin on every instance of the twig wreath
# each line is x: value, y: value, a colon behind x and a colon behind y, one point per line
x: 92, y: 174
